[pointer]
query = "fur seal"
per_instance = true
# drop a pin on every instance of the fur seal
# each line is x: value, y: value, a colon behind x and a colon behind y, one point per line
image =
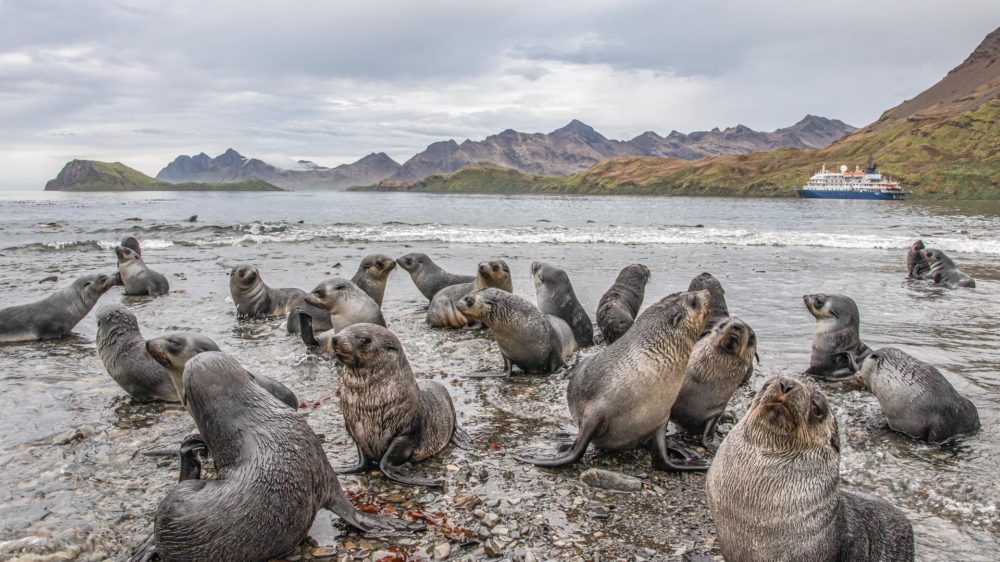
x: 442, y: 312
x: 123, y: 351
x: 719, y: 311
x: 774, y: 488
x: 256, y: 300
x: 718, y: 365
x: 916, y: 398
x: 620, y: 304
x: 132, y: 244
x: 838, y: 330
x: 944, y: 271
x: 173, y: 351
x: 621, y: 398
x: 533, y: 341
x: 372, y: 275
x: 555, y: 296
x: 54, y: 316
x: 916, y: 266
x: 428, y: 276
x: 346, y: 304
x: 392, y: 418
x: 137, y: 278
x: 273, y: 475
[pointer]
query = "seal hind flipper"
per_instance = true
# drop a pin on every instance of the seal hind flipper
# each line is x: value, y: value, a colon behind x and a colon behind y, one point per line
x: 394, y: 463
x: 371, y: 524
x: 461, y: 439
x: 660, y: 450
x: 588, y: 431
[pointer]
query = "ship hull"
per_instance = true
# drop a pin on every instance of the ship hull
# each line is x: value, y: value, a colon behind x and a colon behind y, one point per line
x: 848, y: 194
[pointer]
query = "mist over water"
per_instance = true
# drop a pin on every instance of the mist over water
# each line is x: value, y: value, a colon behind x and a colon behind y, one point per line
x: 95, y: 493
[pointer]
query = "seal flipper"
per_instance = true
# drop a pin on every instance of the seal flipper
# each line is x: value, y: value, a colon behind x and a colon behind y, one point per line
x: 190, y: 465
x: 372, y: 524
x: 278, y: 390
x: 364, y: 464
x: 146, y: 552
x: 575, y: 453
x: 393, y: 463
x: 306, y: 328
x: 707, y: 436
x: 508, y: 368
x: 461, y: 438
x: 661, y: 454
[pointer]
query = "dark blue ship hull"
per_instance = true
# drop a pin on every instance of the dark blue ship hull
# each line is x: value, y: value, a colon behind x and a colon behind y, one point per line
x: 848, y: 194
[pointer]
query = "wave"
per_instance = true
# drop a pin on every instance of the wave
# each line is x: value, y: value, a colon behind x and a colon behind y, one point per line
x: 405, y: 233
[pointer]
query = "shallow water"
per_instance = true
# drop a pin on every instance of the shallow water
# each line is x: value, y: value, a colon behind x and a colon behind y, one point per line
x: 91, y: 495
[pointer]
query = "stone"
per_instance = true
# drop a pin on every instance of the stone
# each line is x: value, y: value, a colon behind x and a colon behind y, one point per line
x: 442, y: 551
x: 610, y: 480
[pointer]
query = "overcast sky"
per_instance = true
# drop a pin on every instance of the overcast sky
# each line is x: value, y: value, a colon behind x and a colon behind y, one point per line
x: 141, y: 81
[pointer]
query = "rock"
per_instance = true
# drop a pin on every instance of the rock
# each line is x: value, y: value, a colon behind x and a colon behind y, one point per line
x: 491, y: 519
x: 193, y: 218
x: 67, y: 437
x: 609, y: 480
x: 442, y: 551
x: 50, y: 279
x: 493, y: 548
x: 529, y: 556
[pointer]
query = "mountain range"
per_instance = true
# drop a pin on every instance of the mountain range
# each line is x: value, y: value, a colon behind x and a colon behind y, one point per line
x: 569, y: 149
x: 943, y: 143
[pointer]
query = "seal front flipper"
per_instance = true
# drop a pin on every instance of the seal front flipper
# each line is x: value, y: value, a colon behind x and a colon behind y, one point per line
x: 508, y: 369
x: 393, y: 463
x: 708, y: 436
x: 364, y: 465
x: 146, y: 552
x: 190, y: 464
x: 587, y: 433
x: 306, y: 328
x: 371, y: 524
x: 278, y: 390
x: 660, y: 450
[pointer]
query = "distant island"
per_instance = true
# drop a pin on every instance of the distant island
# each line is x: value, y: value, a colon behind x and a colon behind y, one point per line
x: 90, y: 175
x: 942, y: 144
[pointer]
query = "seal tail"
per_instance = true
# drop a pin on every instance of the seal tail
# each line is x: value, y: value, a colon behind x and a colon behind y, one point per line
x: 306, y: 328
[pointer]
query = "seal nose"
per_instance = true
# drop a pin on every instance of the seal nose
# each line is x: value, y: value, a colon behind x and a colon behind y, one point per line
x: 786, y: 385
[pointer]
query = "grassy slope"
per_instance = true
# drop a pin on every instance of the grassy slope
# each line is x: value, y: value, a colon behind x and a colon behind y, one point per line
x: 115, y: 176
x: 955, y: 158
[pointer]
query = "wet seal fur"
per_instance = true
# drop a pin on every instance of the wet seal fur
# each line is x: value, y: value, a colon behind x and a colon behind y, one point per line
x: 347, y: 305
x: 123, y: 351
x: 132, y: 244
x: 428, y: 276
x: 916, y: 266
x: 174, y: 351
x: 372, y: 275
x: 138, y: 278
x: 944, y: 271
x: 619, y: 306
x: 442, y: 312
x: 717, y: 303
x: 621, y: 398
x: 255, y: 299
x: 555, y: 296
x: 393, y: 418
x: 273, y: 476
x: 533, y: 341
x: 916, y: 398
x: 718, y: 365
x: 774, y: 488
x: 56, y: 315
x: 838, y: 330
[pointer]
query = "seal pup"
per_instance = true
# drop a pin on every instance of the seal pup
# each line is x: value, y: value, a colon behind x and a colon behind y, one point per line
x: 372, y: 275
x: 428, y: 276
x: 255, y: 299
x: 621, y: 398
x: 944, y: 271
x: 916, y: 398
x: 123, y: 351
x: 56, y: 315
x: 555, y: 296
x: 392, y: 418
x: 774, y: 488
x: 718, y: 365
x: 838, y: 330
x: 137, y: 278
x: 173, y: 351
x: 620, y: 304
x: 273, y: 476
x: 346, y: 304
x: 442, y: 312
x: 916, y: 266
x: 533, y: 341
x: 132, y: 244
x: 719, y: 311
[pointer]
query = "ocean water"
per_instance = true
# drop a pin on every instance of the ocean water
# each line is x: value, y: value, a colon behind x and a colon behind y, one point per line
x: 91, y: 493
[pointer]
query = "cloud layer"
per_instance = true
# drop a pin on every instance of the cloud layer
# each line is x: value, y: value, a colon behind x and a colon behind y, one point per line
x: 141, y: 81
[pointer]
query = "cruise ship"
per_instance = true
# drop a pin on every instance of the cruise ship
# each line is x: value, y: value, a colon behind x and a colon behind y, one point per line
x: 866, y: 184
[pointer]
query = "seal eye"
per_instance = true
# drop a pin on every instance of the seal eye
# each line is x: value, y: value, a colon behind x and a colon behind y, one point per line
x: 819, y: 408
x: 340, y: 287
x: 365, y: 341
